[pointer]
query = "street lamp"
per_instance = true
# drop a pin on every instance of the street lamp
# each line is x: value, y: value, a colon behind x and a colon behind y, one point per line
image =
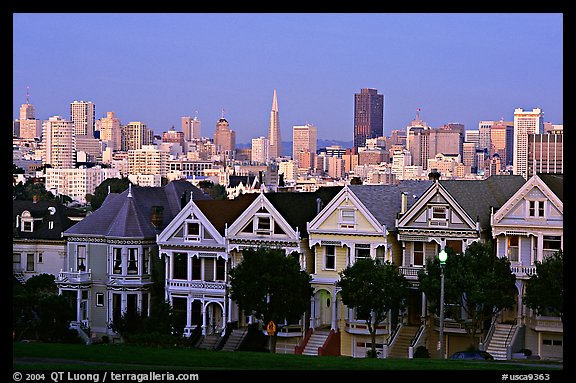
x: 442, y: 257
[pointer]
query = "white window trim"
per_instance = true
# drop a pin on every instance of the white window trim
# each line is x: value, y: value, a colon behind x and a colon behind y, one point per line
x: 537, y: 203
x: 191, y: 237
x: 325, y: 256
x: 258, y: 231
x: 413, y: 263
x: 347, y: 224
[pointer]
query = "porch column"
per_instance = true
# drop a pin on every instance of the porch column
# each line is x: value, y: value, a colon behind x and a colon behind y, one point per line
x: 223, y: 324
x: 188, y: 312
x: 423, y: 313
x: 78, y: 305
x: 229, y: 310
x: 312, y: 313
x: 203, y: 318
x: 334, y: 324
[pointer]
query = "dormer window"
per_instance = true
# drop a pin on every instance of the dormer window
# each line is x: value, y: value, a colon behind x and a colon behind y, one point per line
x: 27, y: 222
x: 536, y: 209
x: 347, y: 218
x: 438, y: 216
x: 192, y: 231
x: 263, y: 224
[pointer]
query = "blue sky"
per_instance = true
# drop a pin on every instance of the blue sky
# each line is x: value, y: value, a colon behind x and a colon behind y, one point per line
x: 158, y: 67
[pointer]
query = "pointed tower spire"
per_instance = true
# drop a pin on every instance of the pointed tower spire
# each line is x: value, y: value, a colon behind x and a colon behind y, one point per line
x: 275, y: 102
x: 274, y: 137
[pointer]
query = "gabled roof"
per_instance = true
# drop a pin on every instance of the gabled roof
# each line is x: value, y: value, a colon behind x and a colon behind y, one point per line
x: 128, y: 214
x: 555, y: 182
x: 477, y: 197
x: 298, y: 208
x: 222, y: 213
x: 45, y: 211
x: 385, y: 201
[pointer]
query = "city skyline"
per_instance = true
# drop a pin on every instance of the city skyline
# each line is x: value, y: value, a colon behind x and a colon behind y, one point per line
x: 454, y: 67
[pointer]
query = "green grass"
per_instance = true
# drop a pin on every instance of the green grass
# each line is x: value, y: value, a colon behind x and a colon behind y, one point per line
x: 51, y: 356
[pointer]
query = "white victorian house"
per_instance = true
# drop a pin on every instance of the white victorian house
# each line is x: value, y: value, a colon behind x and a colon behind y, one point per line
x: 528, y: 228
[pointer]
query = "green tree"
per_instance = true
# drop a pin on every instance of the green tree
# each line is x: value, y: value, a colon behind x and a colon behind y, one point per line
x: 544, y: 290
x: 271, y: 286
x: 39, y: 312
x: 216, y: 191
x: 476, y: 281
x: 373, y: 289
x: 117, y: 185
x: 26, y: 191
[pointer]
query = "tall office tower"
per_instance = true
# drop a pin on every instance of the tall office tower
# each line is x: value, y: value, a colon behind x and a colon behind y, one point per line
x: 368, y: 116
x: 136, y: 134
x: 469, y: 154
x: 525, y: 122
x: 502, y: 141
x: 224, y: 138
x: 473, y: 136
x: 303, y: 140
x: 546, y: 151
x: 397, y: 137
x: 191, y: 128
x: 454, y: 127
x: 260, y: 150
x: 110, y: 131
x: 148, y: 160
x: 484, y: 128
x: 82, y: 114
x: 30, y: 127
x: 58, y: 143
x: 274, y: 135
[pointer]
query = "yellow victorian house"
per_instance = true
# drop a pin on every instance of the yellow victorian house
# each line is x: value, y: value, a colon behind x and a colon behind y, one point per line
x: 357, y: 223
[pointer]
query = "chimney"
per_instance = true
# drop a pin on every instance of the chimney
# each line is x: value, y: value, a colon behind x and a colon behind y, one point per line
x: 434, y: 175
x: 318, y: 205
x: 404, y: 206
x: 157, y: 216
x: 183, y: 200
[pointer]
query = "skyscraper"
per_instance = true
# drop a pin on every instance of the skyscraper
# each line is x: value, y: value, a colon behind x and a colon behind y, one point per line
x: 224, y: 138
x: 110, y: 131
x: 82, y: 114
x: 274, y: 135
x: 525, y: 122
x: 303, y: 140
x: 368, y: 116
x: 58, y: 143
x: 191, y: 127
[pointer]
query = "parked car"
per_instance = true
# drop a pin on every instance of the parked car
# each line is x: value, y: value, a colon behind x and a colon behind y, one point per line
x: 471, y: 355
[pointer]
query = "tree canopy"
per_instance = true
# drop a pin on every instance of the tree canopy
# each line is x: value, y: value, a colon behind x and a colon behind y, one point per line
x: 117, y: 185
x: 372, y: 289
x: 477, y: 282
x: 544, y: 290
x: 271, y: 285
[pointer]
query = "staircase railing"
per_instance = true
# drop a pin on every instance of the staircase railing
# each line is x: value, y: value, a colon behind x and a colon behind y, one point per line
x: 300, y: 348
x: 416, y: 341
x: 511, y: 334
x: 484, y: 344
x: 391, y: 339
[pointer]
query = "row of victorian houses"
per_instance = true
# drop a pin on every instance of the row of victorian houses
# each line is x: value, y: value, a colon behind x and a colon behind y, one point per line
x: 109, y: 261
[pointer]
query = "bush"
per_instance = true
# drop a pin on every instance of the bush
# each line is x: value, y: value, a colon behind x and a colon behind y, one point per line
x: 421, y: 352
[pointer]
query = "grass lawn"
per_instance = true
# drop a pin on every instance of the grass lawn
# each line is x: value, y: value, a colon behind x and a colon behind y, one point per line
x: 52, y: 356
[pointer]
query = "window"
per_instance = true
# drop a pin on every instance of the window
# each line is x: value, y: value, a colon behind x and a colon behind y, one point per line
x: 100, y: 299
x: 16, y: 262
x: 196, y: 268
x: 40, y: 258
x: 536, y: 209
x: 438, y: 212
x: 552, y: 244
x: 220, y: 268
x: 29, y: 262
x: 81, y: 258
x: 513, y: 248
x: 418, y: 254
x: 347, y: 218
x: 180, y: 266
x: 263, y: 225
x: 146, y: 261
x: 330, y: 257
x: 117, y: 260
x: 362, y: 251
x: 132, y: 261
x: 193, y: 231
